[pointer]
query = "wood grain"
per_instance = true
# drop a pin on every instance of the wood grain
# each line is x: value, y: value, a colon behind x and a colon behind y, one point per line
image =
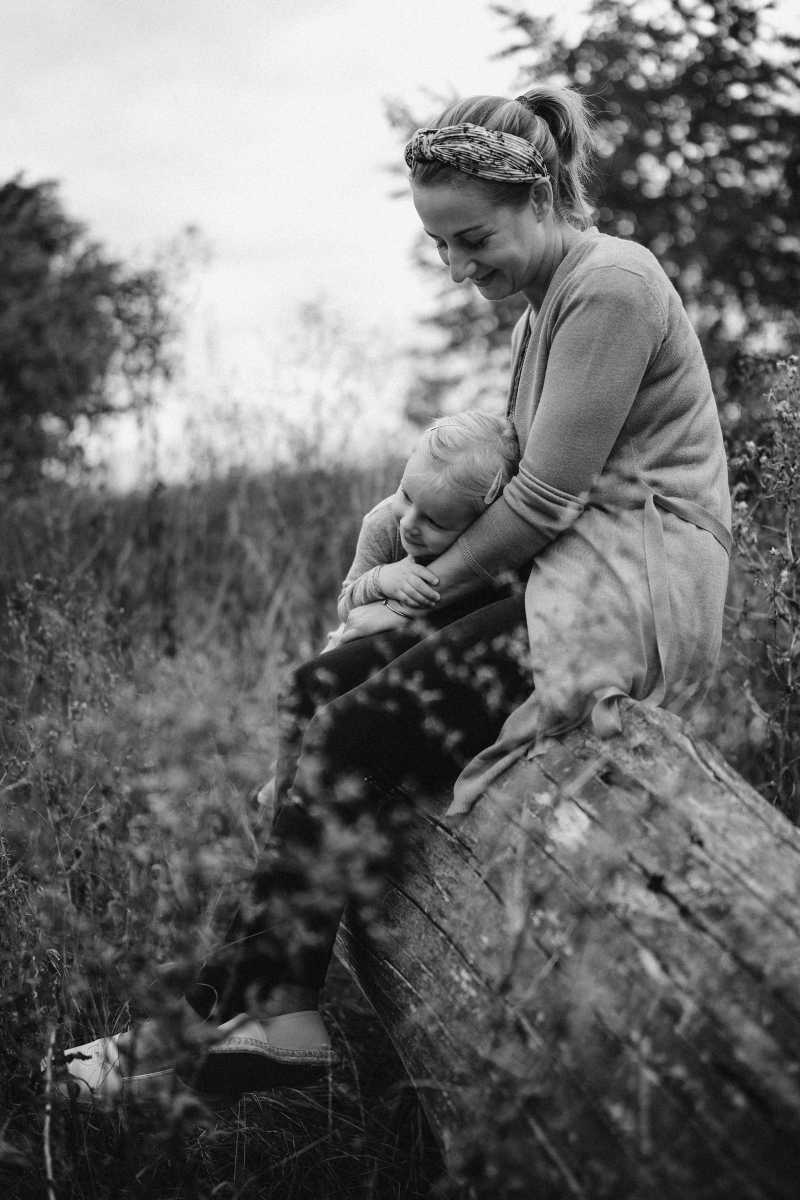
x: 594, y: 978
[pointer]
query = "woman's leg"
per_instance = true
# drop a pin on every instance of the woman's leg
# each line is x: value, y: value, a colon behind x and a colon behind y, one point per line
x: 402, y: 733
x: 369, y: 757
x: 308, y: 689
x: 315, y: 683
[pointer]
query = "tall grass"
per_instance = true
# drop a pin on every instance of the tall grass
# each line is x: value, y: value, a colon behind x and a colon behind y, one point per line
x: 143, y: 641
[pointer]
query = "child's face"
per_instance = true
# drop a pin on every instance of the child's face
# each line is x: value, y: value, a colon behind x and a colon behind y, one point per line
x: 429, y: 518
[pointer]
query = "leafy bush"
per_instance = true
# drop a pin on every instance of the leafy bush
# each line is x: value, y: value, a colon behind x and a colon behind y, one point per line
x: 753, y: 713
x: 81, y: 334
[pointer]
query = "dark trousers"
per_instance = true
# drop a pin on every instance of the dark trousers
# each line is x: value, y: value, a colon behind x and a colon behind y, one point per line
x: 367, y: 734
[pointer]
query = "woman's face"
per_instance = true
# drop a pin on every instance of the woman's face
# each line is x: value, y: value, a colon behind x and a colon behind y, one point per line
x: 501, y: 250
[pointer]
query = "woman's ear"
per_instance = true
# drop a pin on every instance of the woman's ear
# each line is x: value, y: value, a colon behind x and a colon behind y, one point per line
x: 541, y: 198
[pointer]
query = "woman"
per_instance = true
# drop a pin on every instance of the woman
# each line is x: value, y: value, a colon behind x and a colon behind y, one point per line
x: 617, y: 522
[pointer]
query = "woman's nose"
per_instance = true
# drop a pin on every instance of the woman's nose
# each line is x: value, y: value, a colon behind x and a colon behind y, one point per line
x: 461, y: 266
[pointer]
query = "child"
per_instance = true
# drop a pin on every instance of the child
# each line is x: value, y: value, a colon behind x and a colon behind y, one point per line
x: 459, y: 466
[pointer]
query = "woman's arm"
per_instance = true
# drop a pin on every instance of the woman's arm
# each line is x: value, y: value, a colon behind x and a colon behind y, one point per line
x: 605, y: 336
x: 368, y: 619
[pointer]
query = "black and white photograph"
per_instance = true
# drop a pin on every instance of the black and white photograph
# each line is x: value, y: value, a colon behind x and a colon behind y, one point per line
x: 400, y: 600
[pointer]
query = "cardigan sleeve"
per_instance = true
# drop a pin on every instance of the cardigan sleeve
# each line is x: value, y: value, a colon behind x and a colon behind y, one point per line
x: 378, y: 543
x: 603, y: 338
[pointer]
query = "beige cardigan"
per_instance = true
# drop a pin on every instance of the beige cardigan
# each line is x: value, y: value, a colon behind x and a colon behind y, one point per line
x: 621, y: 501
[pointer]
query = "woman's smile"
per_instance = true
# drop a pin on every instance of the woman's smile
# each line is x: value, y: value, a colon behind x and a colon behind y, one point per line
x: 495, y: 247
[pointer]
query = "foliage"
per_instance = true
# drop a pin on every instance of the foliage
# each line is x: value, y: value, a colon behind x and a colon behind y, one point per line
x: 138, y: 672
x: 764, y: 604
x: 696, y: 106
x: 81, y: 335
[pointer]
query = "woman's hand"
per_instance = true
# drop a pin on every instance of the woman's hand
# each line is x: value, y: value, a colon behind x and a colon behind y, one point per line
x: 409, y: 583
x: 366, y: 619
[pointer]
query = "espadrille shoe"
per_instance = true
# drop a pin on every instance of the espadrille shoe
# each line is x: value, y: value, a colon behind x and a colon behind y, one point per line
x: 96, y: 1077
x: 290, y: 1050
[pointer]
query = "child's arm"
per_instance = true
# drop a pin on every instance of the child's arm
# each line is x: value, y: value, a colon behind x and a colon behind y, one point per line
x: 378, y: 544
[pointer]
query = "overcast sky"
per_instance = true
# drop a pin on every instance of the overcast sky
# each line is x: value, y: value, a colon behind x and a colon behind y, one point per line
x: 259, y: 121
x: 262, y: 123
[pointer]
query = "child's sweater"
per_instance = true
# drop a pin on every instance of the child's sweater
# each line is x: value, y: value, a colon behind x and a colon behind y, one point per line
x: 378, y: 543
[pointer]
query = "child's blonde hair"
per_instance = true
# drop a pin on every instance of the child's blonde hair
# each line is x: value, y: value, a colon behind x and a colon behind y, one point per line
x: 475, y: 452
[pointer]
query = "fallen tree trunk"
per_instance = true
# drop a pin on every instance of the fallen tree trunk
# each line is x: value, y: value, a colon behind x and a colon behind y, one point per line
x: 594, y: 978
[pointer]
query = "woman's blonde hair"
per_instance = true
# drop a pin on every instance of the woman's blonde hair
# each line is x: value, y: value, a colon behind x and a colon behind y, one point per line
x: 475, y: 453
x: 554, y: 120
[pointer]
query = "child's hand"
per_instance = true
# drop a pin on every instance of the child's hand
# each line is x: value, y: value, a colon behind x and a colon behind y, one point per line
x: 409, y: 582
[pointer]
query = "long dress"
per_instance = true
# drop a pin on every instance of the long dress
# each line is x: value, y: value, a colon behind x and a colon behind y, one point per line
x: 622, y: 499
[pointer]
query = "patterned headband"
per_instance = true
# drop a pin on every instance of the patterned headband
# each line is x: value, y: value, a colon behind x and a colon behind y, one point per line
x: 487, y: 153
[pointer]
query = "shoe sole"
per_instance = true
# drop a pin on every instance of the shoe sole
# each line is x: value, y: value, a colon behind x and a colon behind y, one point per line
x: 223, y: 1078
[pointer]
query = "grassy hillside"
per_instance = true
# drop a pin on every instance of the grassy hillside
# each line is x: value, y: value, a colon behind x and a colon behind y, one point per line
x: 142, y: 643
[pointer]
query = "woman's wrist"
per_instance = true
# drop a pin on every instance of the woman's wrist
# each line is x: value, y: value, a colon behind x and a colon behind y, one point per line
x: 396, y: 611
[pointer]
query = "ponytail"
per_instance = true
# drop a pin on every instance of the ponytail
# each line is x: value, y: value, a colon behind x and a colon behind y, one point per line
x: 564, y: 113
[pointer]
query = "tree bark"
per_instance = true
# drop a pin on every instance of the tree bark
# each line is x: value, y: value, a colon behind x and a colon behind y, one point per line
x: 594, y: 978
